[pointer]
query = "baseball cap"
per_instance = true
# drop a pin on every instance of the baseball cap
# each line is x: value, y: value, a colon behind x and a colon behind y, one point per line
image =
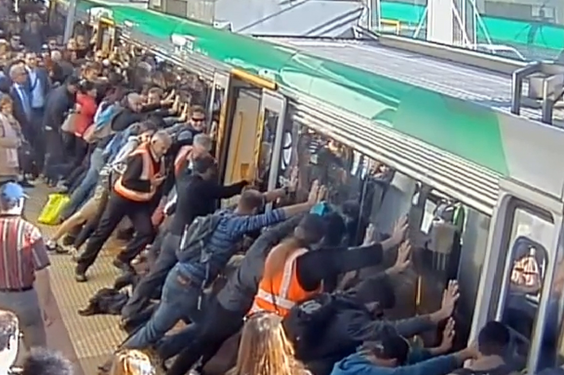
x: 320, y: 209
x: 12, y: 192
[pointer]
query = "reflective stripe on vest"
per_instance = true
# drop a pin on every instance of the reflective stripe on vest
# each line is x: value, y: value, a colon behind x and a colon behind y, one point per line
x: 283, y: 291
x: 148, y: 173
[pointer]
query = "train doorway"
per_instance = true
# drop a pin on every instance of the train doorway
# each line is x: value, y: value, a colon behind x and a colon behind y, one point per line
x: 250, y: 128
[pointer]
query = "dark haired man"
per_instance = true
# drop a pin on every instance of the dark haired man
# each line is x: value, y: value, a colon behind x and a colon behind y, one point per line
x: 493, y: 341
x: 42, y: 361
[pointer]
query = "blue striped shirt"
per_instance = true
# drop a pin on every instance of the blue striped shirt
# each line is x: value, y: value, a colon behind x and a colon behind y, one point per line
x: 223, y: 241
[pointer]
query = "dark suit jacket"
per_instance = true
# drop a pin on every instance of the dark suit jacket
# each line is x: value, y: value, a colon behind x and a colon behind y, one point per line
x: 59, y: 102
x: 19, y: 112
x: 43, y: 77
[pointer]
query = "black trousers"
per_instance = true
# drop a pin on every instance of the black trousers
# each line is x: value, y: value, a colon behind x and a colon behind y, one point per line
x: 117, y: 208
x: 90, y: 226
x: 219, y: 325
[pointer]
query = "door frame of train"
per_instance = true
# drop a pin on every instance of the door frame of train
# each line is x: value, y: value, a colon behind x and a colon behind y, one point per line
x: 512, y: 196
x: 222, y: 80
x: 103, y: 24
x: 273, y: 102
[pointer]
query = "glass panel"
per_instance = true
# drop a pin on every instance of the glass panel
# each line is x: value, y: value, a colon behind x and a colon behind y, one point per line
x: 106, y: 37
x: 267, y: 143
x: 530, y: 238
x: 217, y: 103
x: 521, y: 30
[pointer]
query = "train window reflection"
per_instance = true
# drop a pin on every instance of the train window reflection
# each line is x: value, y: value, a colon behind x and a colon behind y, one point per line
x: 352, y: 179
x: 528, y: 259
x: 267, y: 143
x: 218, y: 98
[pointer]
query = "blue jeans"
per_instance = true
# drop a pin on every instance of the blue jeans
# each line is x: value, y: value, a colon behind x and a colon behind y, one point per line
x: 171, y: 345
x: 179, y: 299
x: 82, y: 192
x: 155, y: 279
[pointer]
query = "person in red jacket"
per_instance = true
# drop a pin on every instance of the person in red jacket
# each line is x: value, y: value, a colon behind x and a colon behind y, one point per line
x: 86, y: 109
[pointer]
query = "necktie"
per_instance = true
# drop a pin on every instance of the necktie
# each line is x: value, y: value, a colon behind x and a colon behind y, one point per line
x: 25, y: 102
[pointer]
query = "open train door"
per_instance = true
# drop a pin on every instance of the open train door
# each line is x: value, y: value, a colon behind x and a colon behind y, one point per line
x: 217, y: 110
x: 106, y: 36
x: 250, y: 104
x: 268, y: 142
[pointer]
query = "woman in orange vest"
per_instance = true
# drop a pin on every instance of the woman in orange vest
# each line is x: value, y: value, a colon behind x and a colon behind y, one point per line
x: 293, y: 274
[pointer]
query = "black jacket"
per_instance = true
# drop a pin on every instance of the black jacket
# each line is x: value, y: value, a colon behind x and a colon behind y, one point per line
x: 198, y: 197
x: 58, y: 103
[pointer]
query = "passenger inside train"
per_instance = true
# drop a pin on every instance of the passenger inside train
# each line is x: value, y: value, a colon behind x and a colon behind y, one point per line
x: 249, y: 244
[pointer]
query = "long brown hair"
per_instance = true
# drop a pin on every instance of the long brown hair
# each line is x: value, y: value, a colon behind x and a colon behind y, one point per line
x: 264, y: 349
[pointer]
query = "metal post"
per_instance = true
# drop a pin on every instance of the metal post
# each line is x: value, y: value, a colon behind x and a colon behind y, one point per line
x: 69, y: 25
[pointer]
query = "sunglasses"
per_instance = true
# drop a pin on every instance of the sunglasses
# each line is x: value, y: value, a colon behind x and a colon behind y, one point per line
x: 198, y: 119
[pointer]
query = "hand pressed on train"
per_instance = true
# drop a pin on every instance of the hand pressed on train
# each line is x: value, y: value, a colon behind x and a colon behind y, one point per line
x: 448, y: 336
x: 450, y: 297
x: 369, y: 236
x: 293, y: 183
x: 402, y: 260
x: 398, y: 233
x: 321, y: 194
x: 313, y: 192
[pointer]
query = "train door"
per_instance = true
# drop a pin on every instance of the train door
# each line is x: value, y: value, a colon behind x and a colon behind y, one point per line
x: 268, y: 143
x: 518, y: 284
x: 106, y: 36
x: 242, y: 133
x: 217, y: 110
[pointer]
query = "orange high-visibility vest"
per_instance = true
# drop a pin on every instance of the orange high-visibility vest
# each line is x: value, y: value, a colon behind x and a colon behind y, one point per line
x: 147, y: 174
x: 278, y: 294
x: 181, y: 159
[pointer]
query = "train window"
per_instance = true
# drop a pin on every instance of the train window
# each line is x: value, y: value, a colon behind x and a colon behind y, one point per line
x: 528, y: 259
x: 342, y: 170
x: 217, y: 102
x: 267, y: 143
x: 326, y: 160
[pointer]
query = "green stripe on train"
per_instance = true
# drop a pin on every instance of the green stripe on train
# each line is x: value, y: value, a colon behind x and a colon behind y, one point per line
x: 462, y: 128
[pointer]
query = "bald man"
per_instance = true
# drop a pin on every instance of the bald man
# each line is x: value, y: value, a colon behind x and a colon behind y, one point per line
x: 134, y: 195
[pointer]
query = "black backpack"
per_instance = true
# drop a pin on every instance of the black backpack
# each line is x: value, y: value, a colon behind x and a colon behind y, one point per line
x: 306, y: 322
x: 196, y: 237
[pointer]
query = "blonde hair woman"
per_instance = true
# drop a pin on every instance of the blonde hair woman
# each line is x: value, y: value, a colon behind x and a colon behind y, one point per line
x: 132, y: 362
x: 264, y: 348
x: 10, y: 139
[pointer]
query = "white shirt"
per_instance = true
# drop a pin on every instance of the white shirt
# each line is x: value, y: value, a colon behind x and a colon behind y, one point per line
x: 37, y: 99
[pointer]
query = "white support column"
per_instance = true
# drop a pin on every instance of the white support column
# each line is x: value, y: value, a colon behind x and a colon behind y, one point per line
x: 440, y: 22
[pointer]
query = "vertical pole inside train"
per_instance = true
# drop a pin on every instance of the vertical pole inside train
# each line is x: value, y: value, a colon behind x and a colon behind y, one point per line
x: 69, y: 25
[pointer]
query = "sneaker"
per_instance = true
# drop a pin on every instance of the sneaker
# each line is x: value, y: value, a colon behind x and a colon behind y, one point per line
x: 53, y: 246
x: 76, y: 255
x: 80, y: 277
x: 26, y: 184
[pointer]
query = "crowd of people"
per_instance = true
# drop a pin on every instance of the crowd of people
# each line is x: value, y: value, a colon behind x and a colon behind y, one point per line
x: 127, y: 137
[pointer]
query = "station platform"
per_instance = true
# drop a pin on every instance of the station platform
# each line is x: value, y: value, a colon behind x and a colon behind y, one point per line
x: 86, y: 341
